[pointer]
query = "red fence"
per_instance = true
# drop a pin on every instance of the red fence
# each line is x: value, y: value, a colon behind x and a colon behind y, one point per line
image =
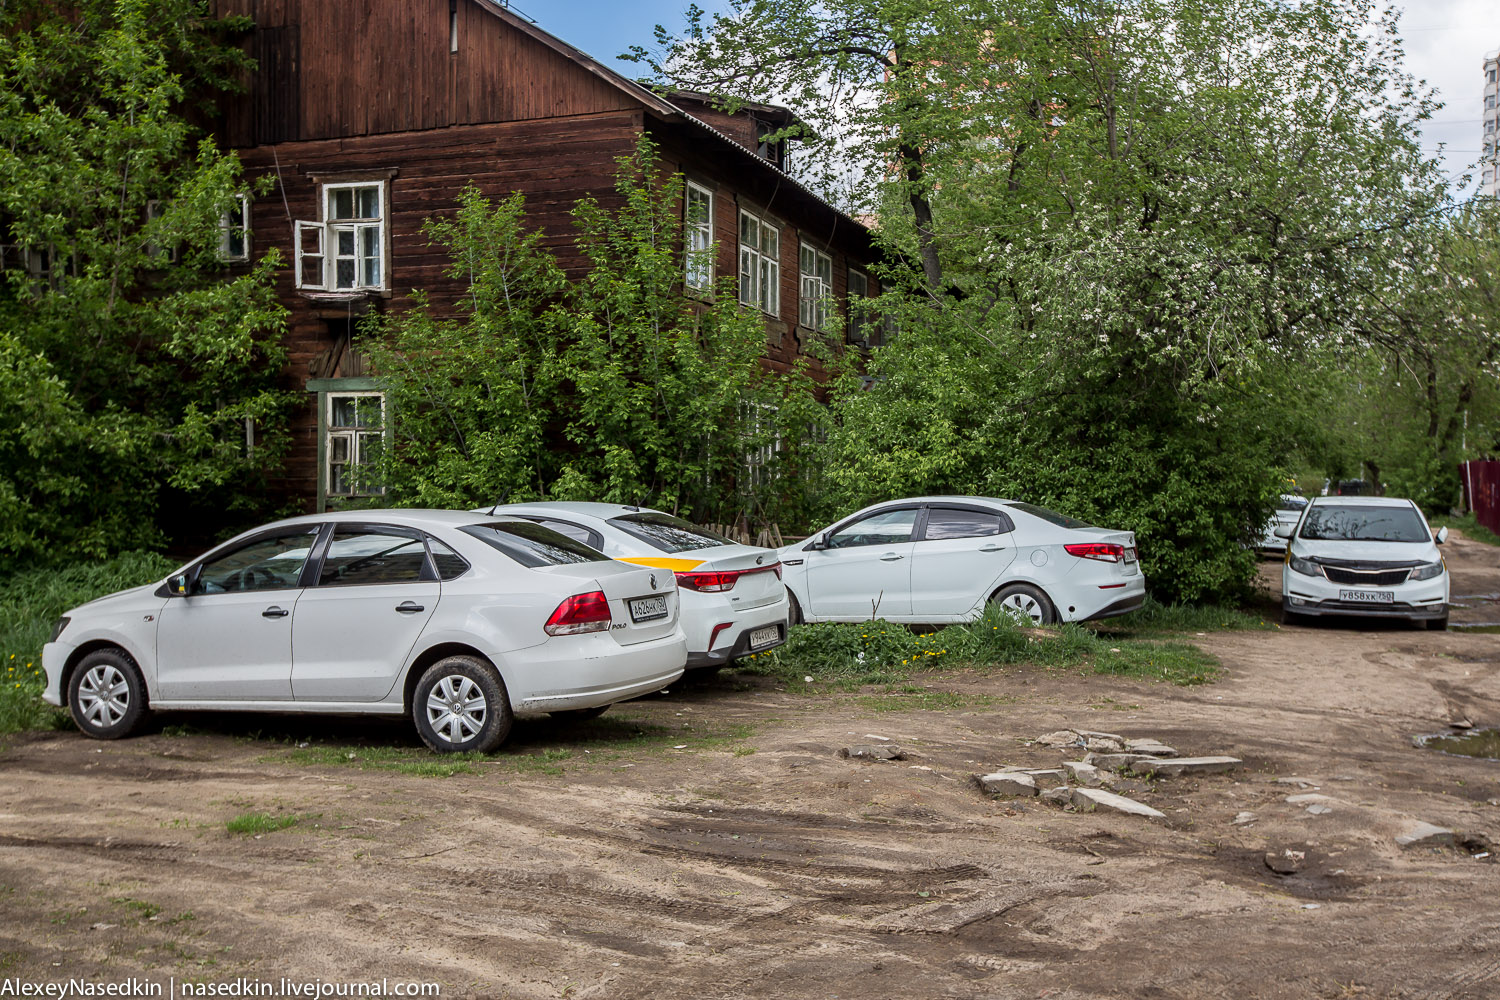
x: 1482, y: 492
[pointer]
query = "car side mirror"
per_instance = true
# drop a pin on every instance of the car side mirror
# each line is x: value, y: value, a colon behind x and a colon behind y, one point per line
x: 1442, y: 535
x: 177, y: 586
x: 819, y: 542
x: 1283, y: 531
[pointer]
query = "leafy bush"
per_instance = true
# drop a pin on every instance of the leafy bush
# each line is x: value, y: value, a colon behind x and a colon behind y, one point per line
x: 31, y: 601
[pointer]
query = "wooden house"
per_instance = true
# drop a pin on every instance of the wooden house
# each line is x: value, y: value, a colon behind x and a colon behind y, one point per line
x: 373, y: 117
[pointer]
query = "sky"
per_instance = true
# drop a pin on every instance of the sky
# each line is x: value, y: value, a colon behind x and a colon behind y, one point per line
x: 1446, y: 41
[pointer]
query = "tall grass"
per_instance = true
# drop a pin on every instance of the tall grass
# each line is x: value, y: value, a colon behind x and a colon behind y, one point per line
x: 30, y: 602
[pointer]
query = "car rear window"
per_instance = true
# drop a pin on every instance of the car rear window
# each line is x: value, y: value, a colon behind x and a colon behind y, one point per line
x: 1050, y: 516
x: 533, y: 545
x: 1292, y: 505
x: 667, y: 533
x: 1339, y: 523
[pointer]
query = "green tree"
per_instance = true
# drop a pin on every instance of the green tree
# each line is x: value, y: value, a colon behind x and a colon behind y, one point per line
x: 614, y: 387
x: 134, y: 360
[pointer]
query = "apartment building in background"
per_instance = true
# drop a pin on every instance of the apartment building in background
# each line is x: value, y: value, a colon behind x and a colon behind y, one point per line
x: 1489, y: 146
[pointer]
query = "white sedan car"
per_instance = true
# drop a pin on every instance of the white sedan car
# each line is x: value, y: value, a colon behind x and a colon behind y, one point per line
x: 1289, y: 508
x: 943, y: 559
x: 1364, y: 556
x: 455, y: 619
x: 733, y: 603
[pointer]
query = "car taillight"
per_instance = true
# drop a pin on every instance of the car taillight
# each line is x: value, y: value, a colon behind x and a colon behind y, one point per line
x: 1102, y: 551
x: 718, y: 581
x: 580, y: 613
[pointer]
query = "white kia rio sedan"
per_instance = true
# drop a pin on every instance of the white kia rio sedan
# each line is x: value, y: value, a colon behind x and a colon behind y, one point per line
x: 1364, y: 556
x: 456, y: 619
x: 733, y: 603
x: 943, y: 559
x: 1289, y: 508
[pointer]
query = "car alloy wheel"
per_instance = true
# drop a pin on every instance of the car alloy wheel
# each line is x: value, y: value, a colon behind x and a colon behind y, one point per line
x: 106, y: 696
x: 460, y: 704
x: 1027, y: 605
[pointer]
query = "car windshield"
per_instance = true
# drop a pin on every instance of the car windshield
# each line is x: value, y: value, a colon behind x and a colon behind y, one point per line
x: 1050, y: 516
x: 533, y: 545
x: 1339, y: 523
x: 1292, y: 505
x: 667, y: 533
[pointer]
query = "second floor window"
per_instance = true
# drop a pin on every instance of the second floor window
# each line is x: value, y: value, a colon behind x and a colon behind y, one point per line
x: 815, y: 287
x: 346, y: 251
x: 760, y: 264
x: 698, y: 237
x: 234, y: 230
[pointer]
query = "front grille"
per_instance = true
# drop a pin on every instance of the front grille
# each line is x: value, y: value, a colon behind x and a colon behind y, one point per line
x: 1366, y: 577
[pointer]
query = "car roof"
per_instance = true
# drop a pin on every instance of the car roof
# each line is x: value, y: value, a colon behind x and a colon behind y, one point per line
x: 1363, y: 501
x: 409, y: 517
x: 946, y: 499
x: 604, y: 511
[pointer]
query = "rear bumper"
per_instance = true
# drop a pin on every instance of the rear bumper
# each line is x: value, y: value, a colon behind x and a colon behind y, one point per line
x: 559, y: 675
x: 1123, y: 606
x: 1094, y: 600
x: 741, y: 647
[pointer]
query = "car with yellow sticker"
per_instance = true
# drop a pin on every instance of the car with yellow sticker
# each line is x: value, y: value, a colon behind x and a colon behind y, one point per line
x: 733, y: 600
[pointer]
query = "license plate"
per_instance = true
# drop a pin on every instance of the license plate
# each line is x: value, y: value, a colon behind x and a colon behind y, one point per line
x: 1368, y: 596
x: 763, y: 637
x: 1130, y: 555
x: 648, y: 609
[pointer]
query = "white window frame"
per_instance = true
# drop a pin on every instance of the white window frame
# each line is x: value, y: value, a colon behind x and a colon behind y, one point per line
x: 352, y: 441
x: 814, y: 287
x: 321, y: 240
x: 698, y: 238
x: 235, y: 219
x: 760, y: 271
x: 759, y: 460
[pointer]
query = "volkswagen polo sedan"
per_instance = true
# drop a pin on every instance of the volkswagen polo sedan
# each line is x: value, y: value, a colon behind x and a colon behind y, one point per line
x: 931, y: 560
x: 733, y: 603
x: 1374, y: 556
x: 458, y: 620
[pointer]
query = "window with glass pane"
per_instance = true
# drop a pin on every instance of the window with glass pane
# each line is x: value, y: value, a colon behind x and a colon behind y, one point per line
x: 355, y: 223
x: 355, y: 436
x: 885, y: 528
x: 949, y: 522
x: 760, y: 268
x: 372, y: 555
x: 234, y: 230
x: 699, y: 236
x: 816, y: 287
x: 273, y: 563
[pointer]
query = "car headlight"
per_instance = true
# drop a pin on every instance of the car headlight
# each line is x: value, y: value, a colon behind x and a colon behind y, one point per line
x: 1304, y: 566
x: 1427, y: 572
x: 57, y: 628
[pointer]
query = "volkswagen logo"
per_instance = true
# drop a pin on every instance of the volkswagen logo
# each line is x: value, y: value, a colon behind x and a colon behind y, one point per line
x: 653, y: 581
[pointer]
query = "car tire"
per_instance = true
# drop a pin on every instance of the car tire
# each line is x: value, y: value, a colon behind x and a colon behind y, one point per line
x: 473, y: 687
x: 794, y: 610
x: 106, y: 695
x: 1026, y: 600
x: 1437, y: 624
x: 579, y: 714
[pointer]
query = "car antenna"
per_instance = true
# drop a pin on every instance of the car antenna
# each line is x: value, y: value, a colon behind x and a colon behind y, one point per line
x: 503, y: 497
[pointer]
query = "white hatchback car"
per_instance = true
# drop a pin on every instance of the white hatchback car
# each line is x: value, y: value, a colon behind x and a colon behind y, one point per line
x: 733, y: 603
x: 1364, y: 556
x: 943, y: 559
x: 1289, y: 508
x: 456, y: 619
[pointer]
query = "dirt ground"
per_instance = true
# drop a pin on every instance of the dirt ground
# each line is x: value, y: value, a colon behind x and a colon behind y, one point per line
x: 624, y: 870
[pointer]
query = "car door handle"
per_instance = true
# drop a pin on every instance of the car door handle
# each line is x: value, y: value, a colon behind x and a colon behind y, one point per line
x: 991, y: 548
x: 409, y: 608
x: 274, y: 612
x: 891, y: 557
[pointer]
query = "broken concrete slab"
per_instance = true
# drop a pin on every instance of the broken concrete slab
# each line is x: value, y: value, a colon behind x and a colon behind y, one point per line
x: 1116, y: 761
x: 1090, y: 799
x: 1007, y: 783
x: 1185, y: 765
x: 1426, y: 835
x: 887, y: 751
x: 1061, y: 795
x: 1083, y: 774
x: 1104, y: 744
x: 1061, y: 738
x: 1091, y: 733
x: 1152, y: 747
